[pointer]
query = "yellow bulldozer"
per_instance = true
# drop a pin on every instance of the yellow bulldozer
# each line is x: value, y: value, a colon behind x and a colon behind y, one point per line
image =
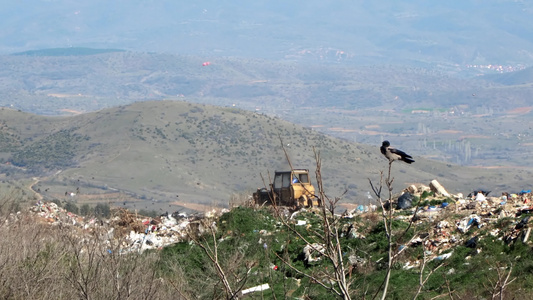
x: 290, y: 188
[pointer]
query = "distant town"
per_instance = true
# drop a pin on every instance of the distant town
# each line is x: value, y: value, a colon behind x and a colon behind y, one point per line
x: 497, y: 68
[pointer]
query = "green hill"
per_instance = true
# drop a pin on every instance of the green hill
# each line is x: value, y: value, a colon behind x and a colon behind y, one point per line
x: 157, y: 153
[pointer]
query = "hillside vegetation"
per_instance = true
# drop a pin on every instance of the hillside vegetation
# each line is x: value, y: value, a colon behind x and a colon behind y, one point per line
x: 167, y: 153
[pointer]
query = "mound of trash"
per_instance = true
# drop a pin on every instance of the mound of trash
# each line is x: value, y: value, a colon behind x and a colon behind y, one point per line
x: 455, y: 220
x: 137, y: 233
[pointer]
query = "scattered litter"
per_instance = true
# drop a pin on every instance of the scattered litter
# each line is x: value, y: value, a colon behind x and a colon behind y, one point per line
x: 444, y: 256
x: 480, y: 197
x: 446, y: 229
x: 468, y: 222
x: 350, y: 231
x: 474, y: 194
x: 405, y: 201
x: 409, y: 265
x: 523, y: 223
x: 475, y: 211
x: 258, y: 288
x: 438, y: 188
x: 443, y: 224
x: 313, y: 252
x: 472, y: 243
x: 140, y: 232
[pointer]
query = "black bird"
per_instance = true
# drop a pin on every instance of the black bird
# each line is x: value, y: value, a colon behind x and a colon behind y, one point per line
x: 394, y: 154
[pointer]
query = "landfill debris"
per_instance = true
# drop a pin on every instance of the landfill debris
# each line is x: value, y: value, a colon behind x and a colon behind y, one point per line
x: 466, y: 223
x: 453, y: 220
x: 138, y: 233
x: 478, y: 193
x: 526, y: 235
x: 360, y: 209
x: 313, y: 252
x: 438, y: 188
x: 472, y: 243
x: 258, y: 288
x: 350, y: 231
x: 405, y: 201
x: 356, y: 260
x: 409, y: 265
x: 444, y: 256
x: 356, y: 263
x: 480, y: 197
x: 523, y: 223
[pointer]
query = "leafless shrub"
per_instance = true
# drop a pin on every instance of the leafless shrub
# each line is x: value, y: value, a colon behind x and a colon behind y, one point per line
x: 395, y: 237
x: 326, y: 242
x: 503, y: 279
x: 241, y: 199
x: 41, y: 261
x: 13, y: 199
x: 229, y: 270
x: 422, y: 280
x: 98, y: 270
x: 31, y: 260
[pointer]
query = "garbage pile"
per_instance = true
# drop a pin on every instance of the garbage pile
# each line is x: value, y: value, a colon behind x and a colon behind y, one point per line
x: 452, y: 218
x: 137, y: 233
x: 455, y: 220
x: 50, y: 212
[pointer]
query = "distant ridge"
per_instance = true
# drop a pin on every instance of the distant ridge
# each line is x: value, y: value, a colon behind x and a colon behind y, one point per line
x: 521, y: 77
x: 71, y: 51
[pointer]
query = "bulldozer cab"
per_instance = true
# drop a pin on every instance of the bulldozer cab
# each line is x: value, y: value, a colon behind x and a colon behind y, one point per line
x: 290, y: 188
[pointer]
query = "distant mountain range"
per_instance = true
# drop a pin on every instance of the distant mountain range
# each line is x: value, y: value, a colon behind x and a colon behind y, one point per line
x: 447, y: 34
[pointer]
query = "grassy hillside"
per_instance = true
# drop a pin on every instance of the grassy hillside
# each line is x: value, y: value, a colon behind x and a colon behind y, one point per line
x: 166, y: 153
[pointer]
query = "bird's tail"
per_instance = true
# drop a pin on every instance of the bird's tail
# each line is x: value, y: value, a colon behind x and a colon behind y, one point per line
x: 408, y: 160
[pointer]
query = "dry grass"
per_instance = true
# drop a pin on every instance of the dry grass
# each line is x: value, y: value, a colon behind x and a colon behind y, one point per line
x: 39, y: 261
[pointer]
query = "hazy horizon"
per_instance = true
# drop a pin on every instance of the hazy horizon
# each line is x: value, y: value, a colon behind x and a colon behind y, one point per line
x: 469, y: 32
